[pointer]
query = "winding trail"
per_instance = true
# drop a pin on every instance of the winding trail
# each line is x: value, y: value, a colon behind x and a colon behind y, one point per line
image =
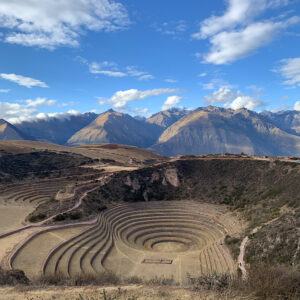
x: 241, y: 258
x: 101, y: 181
x: 18, y: 238
x: 39, y: 224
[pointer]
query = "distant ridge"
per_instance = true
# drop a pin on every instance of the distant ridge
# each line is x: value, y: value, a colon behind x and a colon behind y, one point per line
x: 167, y: 117
x: 288, y: 120
x: 220, y: 130
x: 56, y: 130
x: 10, y: 132
x: 172, y: 132
x: 118, y: 128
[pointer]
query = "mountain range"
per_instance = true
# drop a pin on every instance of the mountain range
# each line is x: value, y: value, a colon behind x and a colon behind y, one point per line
x: 11, y: 132
x: 172, y: 132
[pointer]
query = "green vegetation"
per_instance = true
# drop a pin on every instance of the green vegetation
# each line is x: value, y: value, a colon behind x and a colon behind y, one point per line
x: 36, y: 218
x: 233, y: 243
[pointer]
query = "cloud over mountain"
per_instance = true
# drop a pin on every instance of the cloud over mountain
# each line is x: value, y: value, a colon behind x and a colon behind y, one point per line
x: 120, y: 99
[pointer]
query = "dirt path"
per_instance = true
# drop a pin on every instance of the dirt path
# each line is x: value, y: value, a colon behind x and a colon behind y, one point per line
x: 75, y: 206
x: 37, y: 225
x: 11, y: 241
x: 241, y: 258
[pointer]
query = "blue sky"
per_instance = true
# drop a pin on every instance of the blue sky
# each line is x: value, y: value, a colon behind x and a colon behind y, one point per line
x: 140, y: 56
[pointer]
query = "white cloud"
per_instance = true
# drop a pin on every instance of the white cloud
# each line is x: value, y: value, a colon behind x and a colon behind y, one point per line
x: 120, y: 99
x: 290, y: 70
x: 230, y: 46
x: 24, y: 81
x: 217, y: 83
x: 297, y: 106
x: 96, y: 68
x: 110, y: 73
x: 234, y: 99
x: 222, y: 95
x: 238, y: 12
x: 50, y: 24
x: 174, y: 28
x: 246, y: 102
x: 39, y: 102
x: 57, y: 115
x: 146, y: 77
x: 110, y: 69
x: 4, y: 90
x: 16, y: 112
x: 171, y: 102
x: 170, y: 80
x: 141, y: 75
x: 235, y: 34
x: 202, y: 75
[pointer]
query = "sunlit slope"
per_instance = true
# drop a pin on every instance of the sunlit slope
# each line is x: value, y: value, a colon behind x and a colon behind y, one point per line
x: 217, y: 130
x: 10, y: 132
x: 116, y: 128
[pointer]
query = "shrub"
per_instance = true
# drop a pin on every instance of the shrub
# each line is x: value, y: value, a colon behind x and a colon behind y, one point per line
x: 82, y: 279
x: 36, y: 218
x: 75, y: 215
x: 134, y: 280
x: 233, y: 244
x: 60, y: 217
x: 217, y: 282
x: 161, y: 281
x: 12, y: 277
x: 274, y: 282
x: 269, y: 283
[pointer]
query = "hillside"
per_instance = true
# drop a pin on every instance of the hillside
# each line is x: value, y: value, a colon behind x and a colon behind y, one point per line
x: 286, y: 120
x: 10, y: 132
x: 168, y: 117
x: 260, y: 190
x: 56, y: 130
x: 218, y: 130
x: 184, y: 216
x: 119, y: 154
x: 116, y: 128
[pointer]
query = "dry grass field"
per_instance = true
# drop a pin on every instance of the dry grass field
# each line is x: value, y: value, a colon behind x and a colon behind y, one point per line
x: 44, y: 243
x: 12, y: 216
x: 127, y: 292
x: 118, y: 153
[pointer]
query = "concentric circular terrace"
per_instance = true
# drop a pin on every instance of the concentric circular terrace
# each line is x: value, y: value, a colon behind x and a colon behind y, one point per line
x: 143, y: 239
